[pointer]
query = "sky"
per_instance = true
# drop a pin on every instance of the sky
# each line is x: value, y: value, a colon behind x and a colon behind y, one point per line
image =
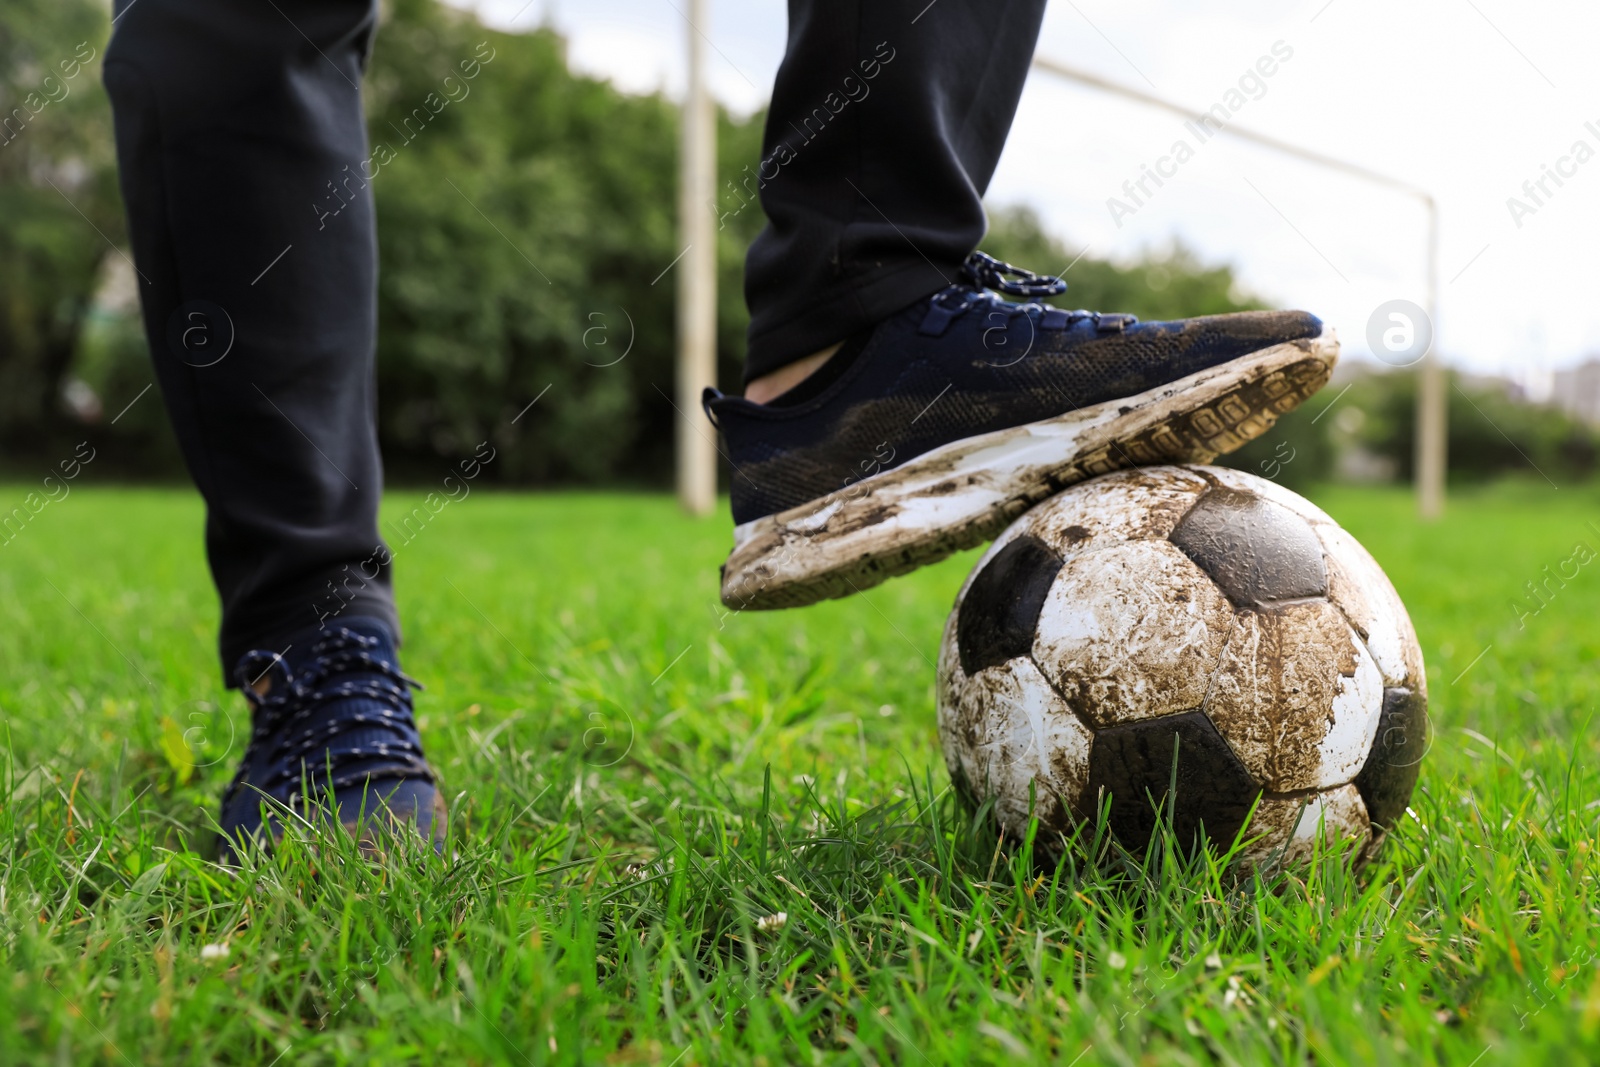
x: 1467, y: 99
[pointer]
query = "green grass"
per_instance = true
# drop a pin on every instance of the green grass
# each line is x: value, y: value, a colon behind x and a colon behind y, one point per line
x: 635, y: 779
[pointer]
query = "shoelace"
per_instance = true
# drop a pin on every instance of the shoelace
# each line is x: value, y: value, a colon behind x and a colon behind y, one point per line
x: 984, y: 277
x: 984, y: 271
x: 295, y: 699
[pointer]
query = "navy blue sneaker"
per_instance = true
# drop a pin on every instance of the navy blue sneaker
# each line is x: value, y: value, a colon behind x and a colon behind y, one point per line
x: 930, y: 432
x: 332, y: 736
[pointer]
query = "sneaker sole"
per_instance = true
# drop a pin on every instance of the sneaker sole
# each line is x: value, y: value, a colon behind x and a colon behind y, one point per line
x: 963, y: 494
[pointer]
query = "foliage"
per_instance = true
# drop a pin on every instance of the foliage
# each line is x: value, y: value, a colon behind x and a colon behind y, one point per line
x: 527, y: 231
x: 1490, y: 434
x: 526, y: 237
x: 57, y: 189
x: 636, y: 779
x: 527, y: 242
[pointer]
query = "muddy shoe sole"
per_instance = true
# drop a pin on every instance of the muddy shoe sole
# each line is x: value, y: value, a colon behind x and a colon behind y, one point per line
x: 964, y: 493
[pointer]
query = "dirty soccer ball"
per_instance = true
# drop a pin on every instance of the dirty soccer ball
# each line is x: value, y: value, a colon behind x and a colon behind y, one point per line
x: 1185, y: 606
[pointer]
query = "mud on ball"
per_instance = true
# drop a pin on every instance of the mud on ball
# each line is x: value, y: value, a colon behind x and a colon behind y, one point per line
x: 1186, y: 607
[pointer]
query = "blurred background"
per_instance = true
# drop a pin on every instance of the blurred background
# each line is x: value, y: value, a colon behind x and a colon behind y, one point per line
x: 573, y: 138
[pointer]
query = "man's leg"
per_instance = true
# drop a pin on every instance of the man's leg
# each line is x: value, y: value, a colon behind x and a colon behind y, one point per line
x: 241, y: 145
x: 239, y: 132
x: 887, y: 120
x: 898, y: 408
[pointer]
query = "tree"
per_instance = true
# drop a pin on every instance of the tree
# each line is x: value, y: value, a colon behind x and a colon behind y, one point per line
x: 1491, y: 433
x: 59, y: 205
x: 527, y: 237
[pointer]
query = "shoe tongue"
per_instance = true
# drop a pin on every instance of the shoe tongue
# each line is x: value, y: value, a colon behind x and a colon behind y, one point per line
x: 825, y: 375
x: 369, y: 746
x: 345, y: 655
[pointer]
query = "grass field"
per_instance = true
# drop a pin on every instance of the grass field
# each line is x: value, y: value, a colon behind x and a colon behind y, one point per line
x: 636, y: 779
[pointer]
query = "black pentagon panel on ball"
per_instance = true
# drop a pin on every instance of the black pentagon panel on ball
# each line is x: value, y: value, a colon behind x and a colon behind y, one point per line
x: 1390, y: 773
x: 1001, y: 607
x: 1259, y: 553
x: 1133, y: 763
